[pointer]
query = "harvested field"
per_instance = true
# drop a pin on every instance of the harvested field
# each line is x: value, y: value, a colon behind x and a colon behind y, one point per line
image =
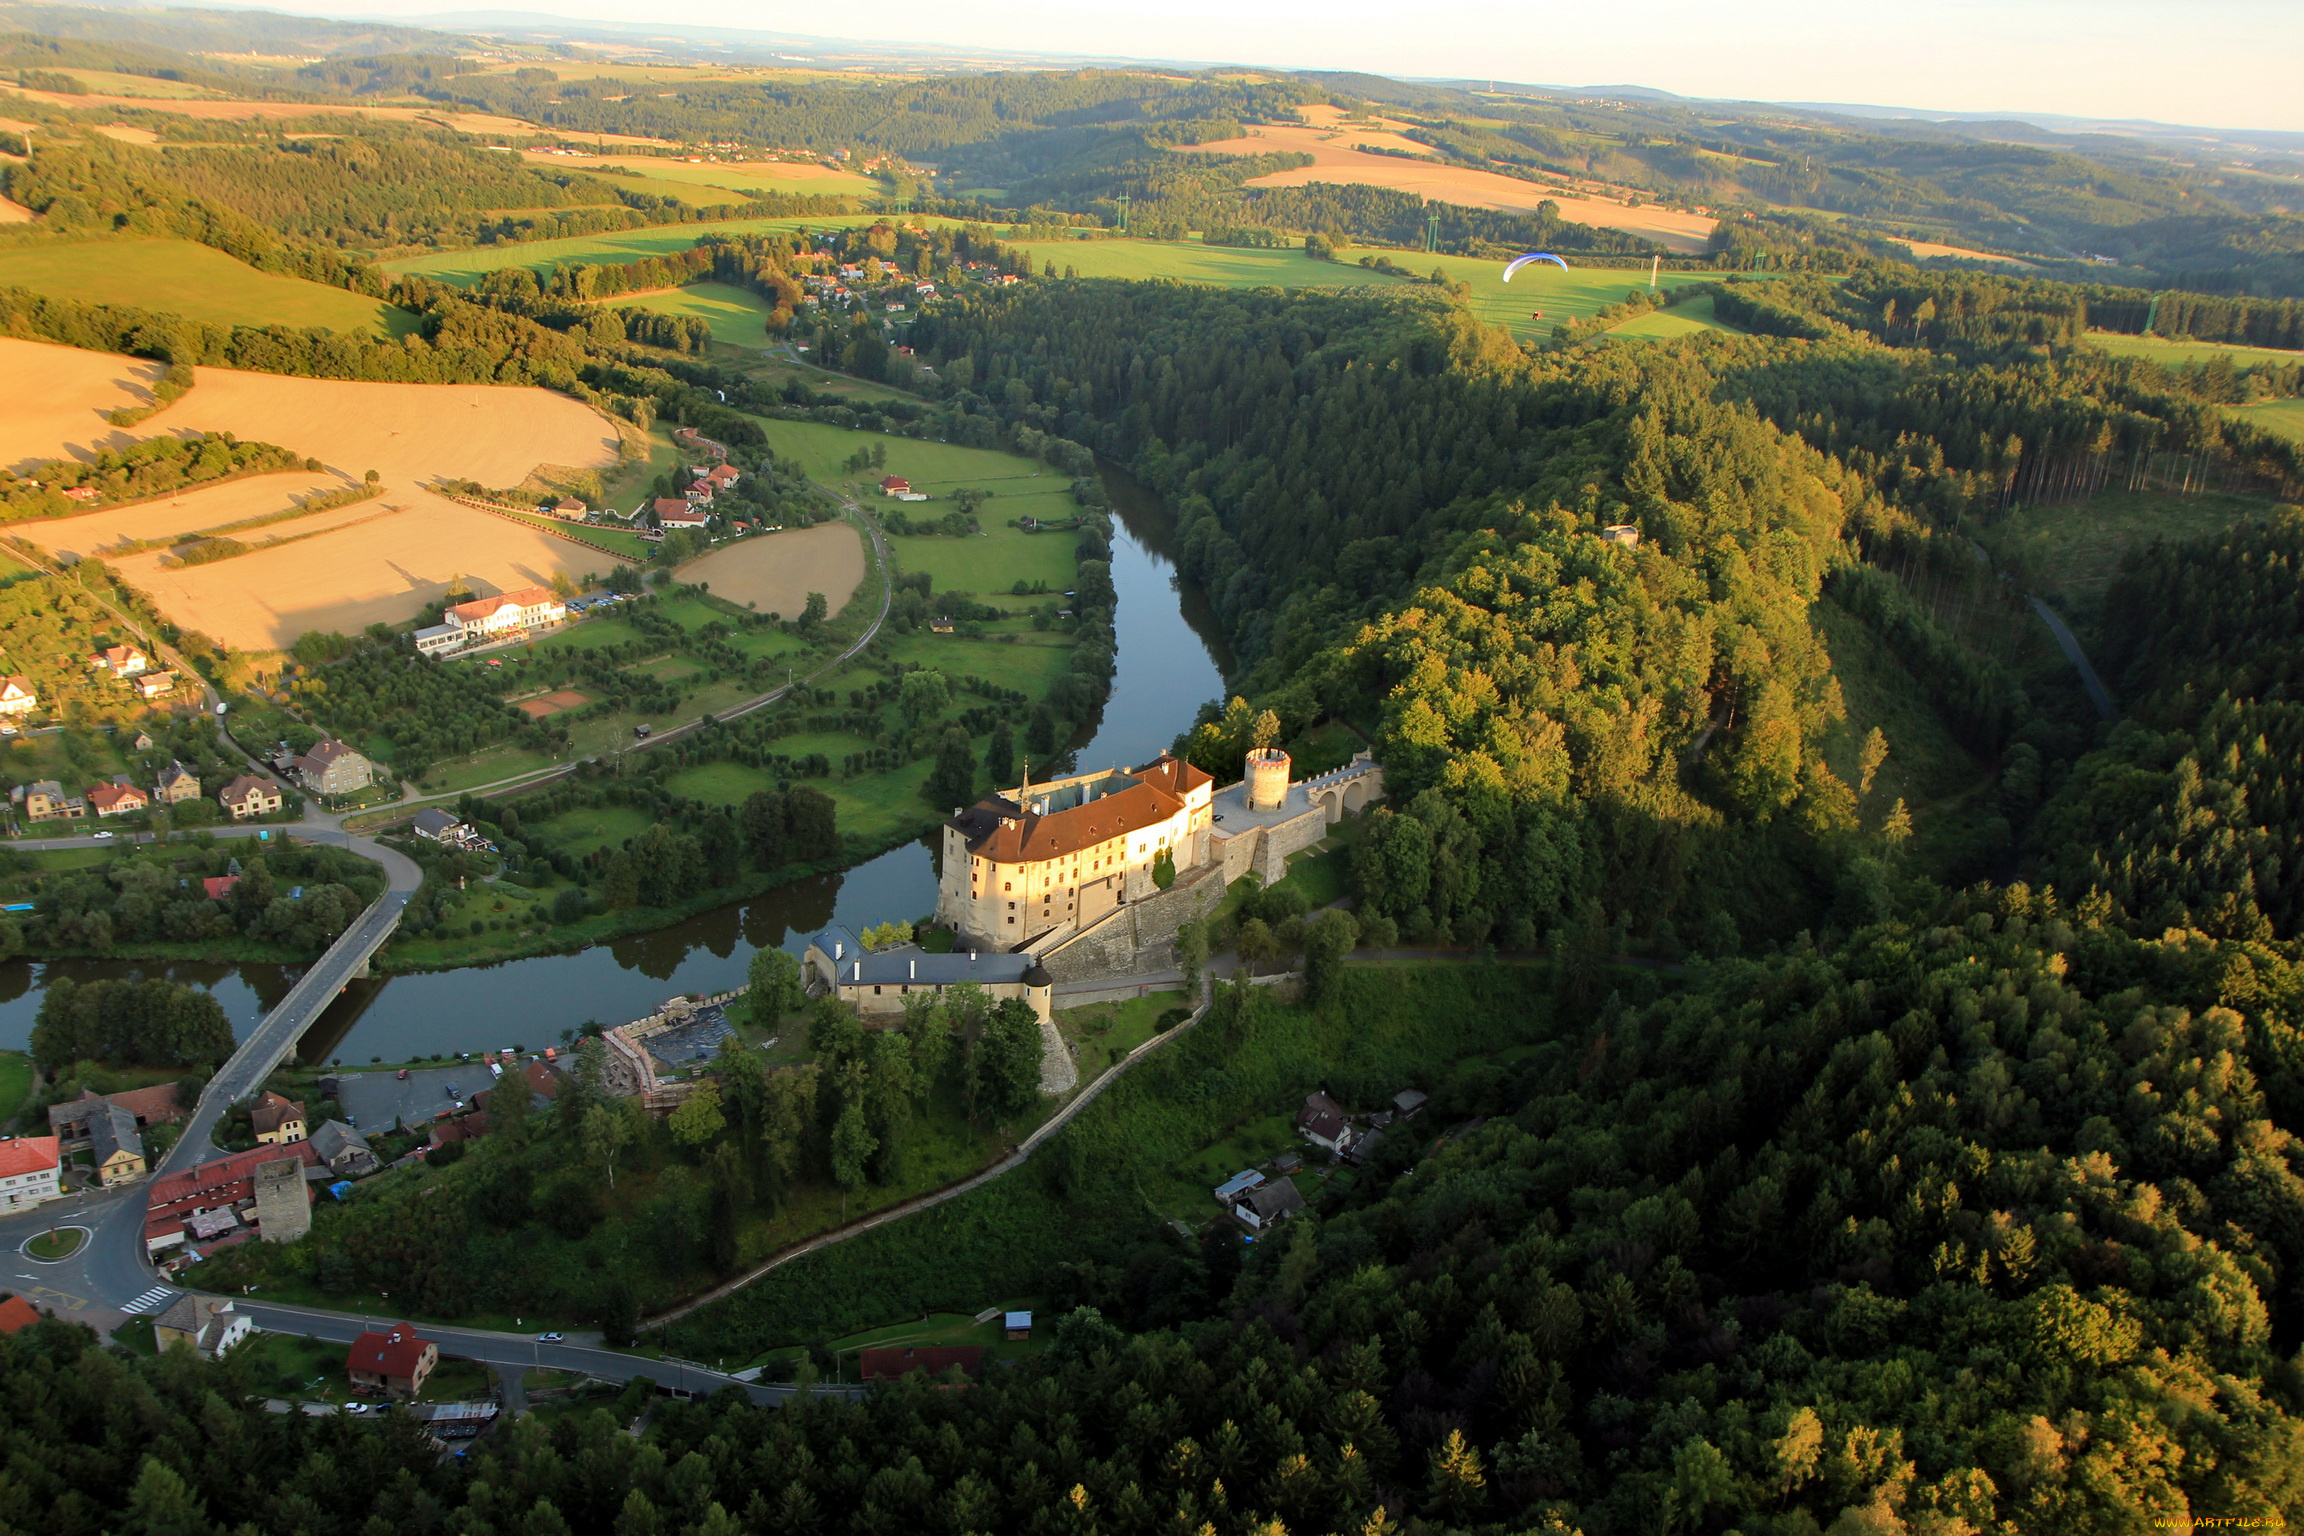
x: 12, y: 212
x: 1334, y: 159
x: 233, y: 111
x: 194, y: 511
x: 1922, y: 250
x: 369, y: 567
x: 775, y: 572
x: 53, y: 400
x: 381, y: 570
x: 552, y: 703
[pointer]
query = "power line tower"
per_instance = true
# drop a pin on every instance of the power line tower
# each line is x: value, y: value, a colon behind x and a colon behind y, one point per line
x: 1123, y: 213
x: 1431, y: 232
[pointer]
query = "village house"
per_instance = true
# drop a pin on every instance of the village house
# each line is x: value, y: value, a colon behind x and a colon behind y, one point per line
x: 725, y: 476
x: 122, y: 661
x: 86, y: 495
x: 146, y: 1107
x: 16, y: 695
x: 332, y: 768
x: 118, y: 798
x: 277, y: 1121
x: 344, y: 1150
x: 45, y: 800
x: 569, y: 507
x: 895, y: 485
x: 1051, y: 859
x: 438, y: 826
x: 1260, y: 1208
x: 392, y: 1360
x: 153, y: 685
x: 177, y: 785
x: 208, y: 1201
x: 510, y: 613
x: 207, y: 1327
x: 671, y: 512
x: 219, y: 887
x: 114, y: 1147
x: 31, y: 1169
x: 250, y: 795
x: 16, y: 1314
x: 1323, y: 1123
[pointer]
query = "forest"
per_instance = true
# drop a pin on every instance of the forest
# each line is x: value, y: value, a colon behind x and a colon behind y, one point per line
x: 295, y: 898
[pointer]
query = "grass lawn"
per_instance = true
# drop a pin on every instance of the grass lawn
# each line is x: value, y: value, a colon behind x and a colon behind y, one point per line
x: 615, y: 540
x: 2069, y: 553
x: 461, y: 269
x: 720, y: 783
x: 498, y: 762
x: 1560, y: 295
x: 1102, y: 1033
x: 590, y: 635
x: 737, y: 316
x: 1690, y: 317
x: 2176, y: 351
x: 626, y: 484
x: 779, y: 370
x: 1033, y: 663
x: 582, y: 830
x: 15, y: 1083
x: 986, y: 566
x: 2285, y: 417
x: 61, y: 1244
x: 13, y: 569
x: 195, y: 281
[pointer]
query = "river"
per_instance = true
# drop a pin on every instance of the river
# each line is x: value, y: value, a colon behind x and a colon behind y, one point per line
x: 1169, y: 663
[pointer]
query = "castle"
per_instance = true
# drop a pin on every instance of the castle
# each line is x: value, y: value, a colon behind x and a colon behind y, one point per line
x: 1061, y: 868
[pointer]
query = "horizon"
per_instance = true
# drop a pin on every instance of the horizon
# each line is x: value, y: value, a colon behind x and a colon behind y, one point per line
x: 2224, y: 68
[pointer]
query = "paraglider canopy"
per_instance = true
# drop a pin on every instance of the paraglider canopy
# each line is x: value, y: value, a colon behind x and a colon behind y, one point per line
x: 1517, y: 262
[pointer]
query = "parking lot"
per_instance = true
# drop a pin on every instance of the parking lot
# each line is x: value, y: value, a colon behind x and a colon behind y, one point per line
x: 376, y: 1101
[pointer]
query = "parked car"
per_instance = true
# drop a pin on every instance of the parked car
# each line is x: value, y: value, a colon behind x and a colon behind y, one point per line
x: 550, y: 1338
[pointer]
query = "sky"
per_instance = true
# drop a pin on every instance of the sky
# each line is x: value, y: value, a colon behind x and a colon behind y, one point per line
x: 2215, y: 63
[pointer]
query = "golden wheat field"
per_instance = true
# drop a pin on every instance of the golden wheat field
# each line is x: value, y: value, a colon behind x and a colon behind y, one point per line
x: 379, y: 560
x: 775, y: 572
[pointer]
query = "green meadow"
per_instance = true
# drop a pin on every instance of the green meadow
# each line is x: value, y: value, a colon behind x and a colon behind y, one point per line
x: 2176, y: 351
x: 195, y: 281
x: 1690, y: 317
x: 1569, y: 296
x: 989, y: 565
x: 2285, y: 417
x: 737, y: 316
x: 461, y: 269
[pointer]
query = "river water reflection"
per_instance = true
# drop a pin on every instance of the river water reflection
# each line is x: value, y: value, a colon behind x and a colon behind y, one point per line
x: 1167, y: 666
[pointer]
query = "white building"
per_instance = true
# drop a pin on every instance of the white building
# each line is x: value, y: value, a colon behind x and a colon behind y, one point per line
x: 487, y: 618
x: 30, y: 1169
x: 439, y: 639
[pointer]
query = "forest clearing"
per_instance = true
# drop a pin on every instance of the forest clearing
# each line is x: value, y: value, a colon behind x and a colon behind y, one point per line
x: 774, y: 573
x: 711, y: 181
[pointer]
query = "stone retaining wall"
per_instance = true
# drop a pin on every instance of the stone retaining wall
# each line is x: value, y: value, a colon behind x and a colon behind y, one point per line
x: 1141, y: 936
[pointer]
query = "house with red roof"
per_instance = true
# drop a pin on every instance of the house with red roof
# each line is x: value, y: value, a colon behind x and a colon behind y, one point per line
x: 16, y: 1314
x: 895, y: 485
x: 118, y: 798
x: 223, y: 1187
x: 31, y: 1170
x: 391, y: 1360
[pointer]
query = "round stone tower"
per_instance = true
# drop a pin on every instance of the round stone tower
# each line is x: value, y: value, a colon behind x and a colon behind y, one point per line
x: 1267, y: 778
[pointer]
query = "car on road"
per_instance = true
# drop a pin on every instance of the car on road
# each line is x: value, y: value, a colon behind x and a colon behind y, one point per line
x: 403, y: 1074
x: 103, y: 837
x: 355, y: 1407
x: 455, y: 1092
x: 551, y: 1338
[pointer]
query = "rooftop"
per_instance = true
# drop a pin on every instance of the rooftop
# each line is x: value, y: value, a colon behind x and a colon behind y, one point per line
x: 910, y: 965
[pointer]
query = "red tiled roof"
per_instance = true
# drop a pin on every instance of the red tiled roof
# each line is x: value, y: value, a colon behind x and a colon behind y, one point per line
x: 219, y: 886
x: 895, y: 1361
x: 16, y: 1314
x: 1004, y: 832
x: 106, y: 796
x: 220, y: 1181
x: 395, y: 1353
x: 26, y: 1154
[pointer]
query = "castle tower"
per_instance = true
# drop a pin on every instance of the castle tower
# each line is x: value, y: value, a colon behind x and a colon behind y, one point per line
x: 1267, y: 778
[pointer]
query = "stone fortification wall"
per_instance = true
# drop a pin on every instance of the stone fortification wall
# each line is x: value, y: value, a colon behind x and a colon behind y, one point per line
x: 1140, y: 936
